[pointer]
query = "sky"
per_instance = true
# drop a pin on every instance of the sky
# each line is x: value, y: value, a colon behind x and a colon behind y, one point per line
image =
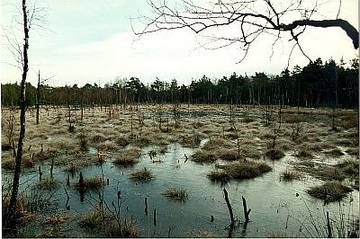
x: 91, y: 41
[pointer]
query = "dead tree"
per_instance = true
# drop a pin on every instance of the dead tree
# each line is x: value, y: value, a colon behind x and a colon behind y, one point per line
x: 38, y: 99
x: 38, y: 95
x: 252, y: 18
x: 11, y: 220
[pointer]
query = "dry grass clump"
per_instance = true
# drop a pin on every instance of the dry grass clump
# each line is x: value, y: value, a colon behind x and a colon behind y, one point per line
x: 329, y: 191
x: 8, y: 164
x: 98, y: 138
x: 323, y: 172
x: 202, y: 156
x: 48, y: 183
x: 239, y: 170
x: 106, y: 146
x: 219, y: 176
x: 45, y: 155
x: 72, y: 167
x: 91, y: 183
x: 349, y: 167
x: 128, y: 157
x: 108, y: 224
x: 335, y: 152
x: 216, y: 143
x: 274, y: 154
x: 288, y: 176
x: 229, y: 154
x: 122, y: 141
x: 176, y: 193
x: 143, y: 175
x: 304, y: 153
x: 353, y: 151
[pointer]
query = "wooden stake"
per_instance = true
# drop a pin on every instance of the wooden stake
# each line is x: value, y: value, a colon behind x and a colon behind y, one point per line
x: 226, y: 196
x: 246, y: 212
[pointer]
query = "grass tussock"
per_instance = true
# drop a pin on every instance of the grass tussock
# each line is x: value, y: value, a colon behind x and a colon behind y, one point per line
x: 122, y: 141
x: 98, y: 138
x: 289, y: 176
x: 90, y: 183
x: 329, y: 191
x: 108, y: 224
x: 229, y: 154
x: 350, y: 167
x: 176, y: 193
x: 239, y: 170
x: 274, y: 154
x: 143, y: 175
x: 304, y: 154
x: 8, y: 164
x: 48, y: 183
x: 334, y: 153
x: 106, y: 146
x: 202, y: 156
x: 128, y: 157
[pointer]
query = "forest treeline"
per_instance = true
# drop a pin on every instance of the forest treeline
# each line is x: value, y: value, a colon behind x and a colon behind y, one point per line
x: 316, y: 84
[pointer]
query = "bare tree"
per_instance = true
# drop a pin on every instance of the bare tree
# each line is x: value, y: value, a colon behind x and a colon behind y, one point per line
x: 30, y: 18
x: 252, y: 18
x: 38, y: 95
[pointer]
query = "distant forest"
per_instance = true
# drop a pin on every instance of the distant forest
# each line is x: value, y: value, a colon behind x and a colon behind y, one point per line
x: 316, y: 85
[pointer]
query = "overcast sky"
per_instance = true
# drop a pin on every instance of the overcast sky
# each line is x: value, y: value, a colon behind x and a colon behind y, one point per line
x: 87, y: 41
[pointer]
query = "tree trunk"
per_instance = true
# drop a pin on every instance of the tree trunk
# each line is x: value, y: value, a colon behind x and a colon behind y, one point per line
x: 15, y: 188
x: 38, y: 99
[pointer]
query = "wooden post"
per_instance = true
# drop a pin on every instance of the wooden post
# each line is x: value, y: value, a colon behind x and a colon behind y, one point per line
x: 40, y: 173
x: 68, y: 180
x: 246, y: 212
x: 146, y: 207
x: 81, y: 180
x: 155, y: 217
x: 226, y: 196
x: 328, y: 225
x: 52, y: 168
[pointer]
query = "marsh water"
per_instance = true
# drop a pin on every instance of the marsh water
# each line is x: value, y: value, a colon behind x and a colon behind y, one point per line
x: 277, y: 208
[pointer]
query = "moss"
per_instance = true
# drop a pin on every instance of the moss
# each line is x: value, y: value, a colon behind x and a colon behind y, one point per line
x: 329, y: 191
x: 274, y: 154
x: 143, y: 175
x: 176, y: 193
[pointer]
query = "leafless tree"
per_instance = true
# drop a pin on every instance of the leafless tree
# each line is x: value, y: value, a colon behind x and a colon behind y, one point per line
x: 30, y: 17
x: 251, y: 18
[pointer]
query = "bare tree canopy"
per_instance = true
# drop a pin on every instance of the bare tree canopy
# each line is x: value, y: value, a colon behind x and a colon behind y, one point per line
x: 251, y: 18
